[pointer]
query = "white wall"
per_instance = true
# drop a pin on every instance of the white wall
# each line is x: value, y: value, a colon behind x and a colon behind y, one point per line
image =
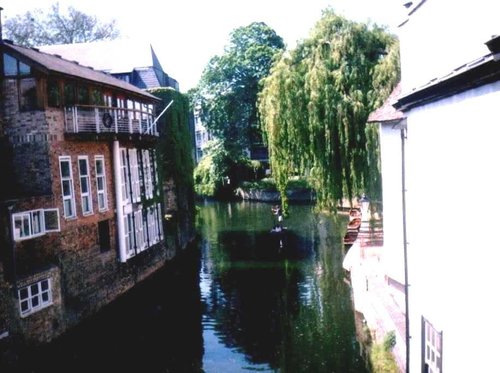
x: 453, y: 167
x: 390, y: 152
x: 442, y: 35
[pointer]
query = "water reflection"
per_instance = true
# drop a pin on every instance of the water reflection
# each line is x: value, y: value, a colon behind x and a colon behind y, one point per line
x: 274, y: 310
x: 239, y: 303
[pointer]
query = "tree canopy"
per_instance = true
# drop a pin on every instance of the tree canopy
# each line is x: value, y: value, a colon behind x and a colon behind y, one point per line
x: 57, y: 27
x: 315, y: 103
x: 229, y: 84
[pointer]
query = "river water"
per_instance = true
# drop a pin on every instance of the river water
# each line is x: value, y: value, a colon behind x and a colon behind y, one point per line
x: 239, y: 301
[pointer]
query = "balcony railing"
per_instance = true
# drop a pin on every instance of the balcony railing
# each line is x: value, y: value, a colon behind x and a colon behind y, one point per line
x: 104, y: 119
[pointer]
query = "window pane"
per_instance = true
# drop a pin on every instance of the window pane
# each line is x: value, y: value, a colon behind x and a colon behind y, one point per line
x: 66, y: 188
x: 53, y: 93
x: 51, y: 218
x: 98, y: 167
x: 24, y: 306
x: 36, y: 222
x: 45, y: 297
x: 27, y: 94
x: 68, y: 208
x: 35, y: 301
x: 24, y: 69
x: 34, y: 289
x: 85, y: 187
x: 9, y: 65
x: 69, y: 93
x: 23, y: 293
x: 65, y: 172
x: 83, y: 166
x: 44, y: 284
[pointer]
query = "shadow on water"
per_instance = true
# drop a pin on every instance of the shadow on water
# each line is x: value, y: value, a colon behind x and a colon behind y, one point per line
x: 156, y: 327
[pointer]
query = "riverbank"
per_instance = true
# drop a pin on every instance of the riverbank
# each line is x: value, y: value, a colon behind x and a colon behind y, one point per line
x: 373, y: 293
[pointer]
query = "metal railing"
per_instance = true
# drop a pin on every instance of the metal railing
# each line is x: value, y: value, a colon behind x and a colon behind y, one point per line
x: 104, y: 119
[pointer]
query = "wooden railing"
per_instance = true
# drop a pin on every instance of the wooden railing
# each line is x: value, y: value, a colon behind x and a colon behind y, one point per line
x: 104, y: 119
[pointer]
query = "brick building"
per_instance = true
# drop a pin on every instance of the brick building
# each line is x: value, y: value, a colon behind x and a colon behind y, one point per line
x: 81, y: 217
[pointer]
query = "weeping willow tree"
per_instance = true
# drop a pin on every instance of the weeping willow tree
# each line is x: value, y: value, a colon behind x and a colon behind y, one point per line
x: 315, y: 103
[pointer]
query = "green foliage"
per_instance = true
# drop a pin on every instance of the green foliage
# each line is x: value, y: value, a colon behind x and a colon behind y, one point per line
x: 227, y: 92
x: 389, y: 341
x: 175, y: 147
x: 219, y: 172
x: 315, y: 103
x: 57, y: 27
x: 381, y: 357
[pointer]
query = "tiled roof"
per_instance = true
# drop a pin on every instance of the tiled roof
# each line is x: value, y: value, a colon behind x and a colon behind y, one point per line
x: 146, y: 78
x: 113, y: 56
x: 56, y: 64
x: 387, y: 112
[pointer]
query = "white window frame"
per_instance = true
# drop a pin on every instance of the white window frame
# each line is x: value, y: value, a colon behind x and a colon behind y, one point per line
x: 71, y: 197
x: 29, y: 220
x: 102, y: 194
x: 124, y: 174
x: 86, y: 197
x: 31, y: 297
x: 148, y: 176
x: 134, y: 175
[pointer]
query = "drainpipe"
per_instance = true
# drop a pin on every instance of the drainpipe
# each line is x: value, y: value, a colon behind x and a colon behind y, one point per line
x: 119, y: 202
x: 405, y: 245
x: 13, y: 260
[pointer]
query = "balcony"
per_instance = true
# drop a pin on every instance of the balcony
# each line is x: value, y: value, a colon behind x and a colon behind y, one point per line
x: 83, y: 119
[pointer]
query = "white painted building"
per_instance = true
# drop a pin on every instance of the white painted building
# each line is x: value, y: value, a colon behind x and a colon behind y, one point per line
x: 451, y: 101
x: 390, y: 123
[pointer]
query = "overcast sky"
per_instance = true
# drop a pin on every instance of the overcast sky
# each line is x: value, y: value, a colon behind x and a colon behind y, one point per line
x: 186, y: 34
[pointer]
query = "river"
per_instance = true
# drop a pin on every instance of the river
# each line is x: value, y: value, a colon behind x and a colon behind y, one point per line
x: 238, y: 301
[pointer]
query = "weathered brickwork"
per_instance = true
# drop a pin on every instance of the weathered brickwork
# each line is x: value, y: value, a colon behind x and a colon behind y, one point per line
x: 84, y: 275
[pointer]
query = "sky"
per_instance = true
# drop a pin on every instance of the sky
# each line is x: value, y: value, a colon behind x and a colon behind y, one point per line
x: 185, y: 34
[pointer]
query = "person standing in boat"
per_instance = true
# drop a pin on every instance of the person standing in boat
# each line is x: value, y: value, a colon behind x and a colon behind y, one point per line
x: 278, y: 212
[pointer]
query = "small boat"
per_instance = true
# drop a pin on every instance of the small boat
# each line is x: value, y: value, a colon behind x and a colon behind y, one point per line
x: 354, y: 213
x: 354, y: 224
x: 350, y: 237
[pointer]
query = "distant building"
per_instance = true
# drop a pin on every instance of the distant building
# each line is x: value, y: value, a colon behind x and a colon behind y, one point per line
x: 202, y: 137
x: 81, y: 215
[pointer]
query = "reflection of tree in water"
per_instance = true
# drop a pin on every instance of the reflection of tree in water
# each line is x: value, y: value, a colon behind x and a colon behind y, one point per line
x: 251, y: 302
x: 294, y: 314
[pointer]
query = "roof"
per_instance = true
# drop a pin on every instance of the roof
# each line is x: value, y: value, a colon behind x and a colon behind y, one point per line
x: 481, y: 71
x: 56, y: 64
x: 387, y: 112
x: 146, y: 78
x: 113, y: 56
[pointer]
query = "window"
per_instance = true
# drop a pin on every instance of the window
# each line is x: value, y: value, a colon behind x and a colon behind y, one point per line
x: 83, y: 167
x: 67, y: 187
x: 9, y: 65
x: 124, y: 169
x: 14, y: 67
x: 69, y: 93
x: 30, y: 224
x: 432, y: 343
x: 53, y: 93
x: 134, y: 175
x: 100, y: 175
x: 27, y: 94
x: 103, y: 235
x: 147, y: 171
x: 83, y: 95
x: 35, y: 297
